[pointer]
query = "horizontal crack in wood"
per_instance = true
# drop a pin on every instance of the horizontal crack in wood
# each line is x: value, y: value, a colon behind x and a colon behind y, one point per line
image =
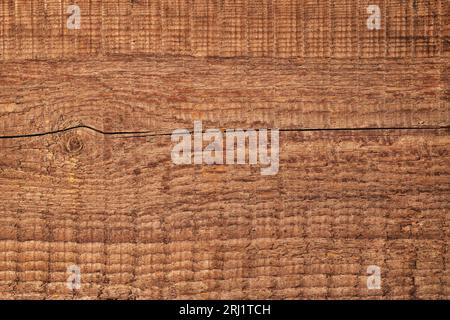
x: 133, y: 134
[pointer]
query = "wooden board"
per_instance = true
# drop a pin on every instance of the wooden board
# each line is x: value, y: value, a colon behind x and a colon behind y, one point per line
x: 158, y: 95
x: 227, y: 28
x: 86, y: 176
x: 141, y: 227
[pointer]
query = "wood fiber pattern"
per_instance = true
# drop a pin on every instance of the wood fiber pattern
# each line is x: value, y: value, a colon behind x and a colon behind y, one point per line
x: 141, y: 227
x: 223, y: 28
x: 86, y: 176
x: 158, y: 95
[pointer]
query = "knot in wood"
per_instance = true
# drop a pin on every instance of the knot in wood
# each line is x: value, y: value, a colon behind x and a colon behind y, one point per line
x: 74, y: 144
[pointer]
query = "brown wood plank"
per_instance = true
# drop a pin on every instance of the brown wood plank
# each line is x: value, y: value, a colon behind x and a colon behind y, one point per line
x: 97, y: 187
x: 142, y: 227
x: 230, y: 28
x: 160, y: 94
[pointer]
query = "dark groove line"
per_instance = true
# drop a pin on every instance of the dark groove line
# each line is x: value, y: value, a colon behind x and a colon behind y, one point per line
x: 135, y: 134
x: 99, y: 57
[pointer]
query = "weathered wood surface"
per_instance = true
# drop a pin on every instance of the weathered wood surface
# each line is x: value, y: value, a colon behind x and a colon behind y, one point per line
x: 141, y: 227
x: 224, y: 28
x: 90, y: 192
x: 158, y: 95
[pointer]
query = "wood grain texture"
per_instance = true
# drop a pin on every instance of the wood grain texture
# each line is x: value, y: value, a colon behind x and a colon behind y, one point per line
x: 222, y: 28
x: 158, y: 94
x: 141, y: 227
x: 86, y: 176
